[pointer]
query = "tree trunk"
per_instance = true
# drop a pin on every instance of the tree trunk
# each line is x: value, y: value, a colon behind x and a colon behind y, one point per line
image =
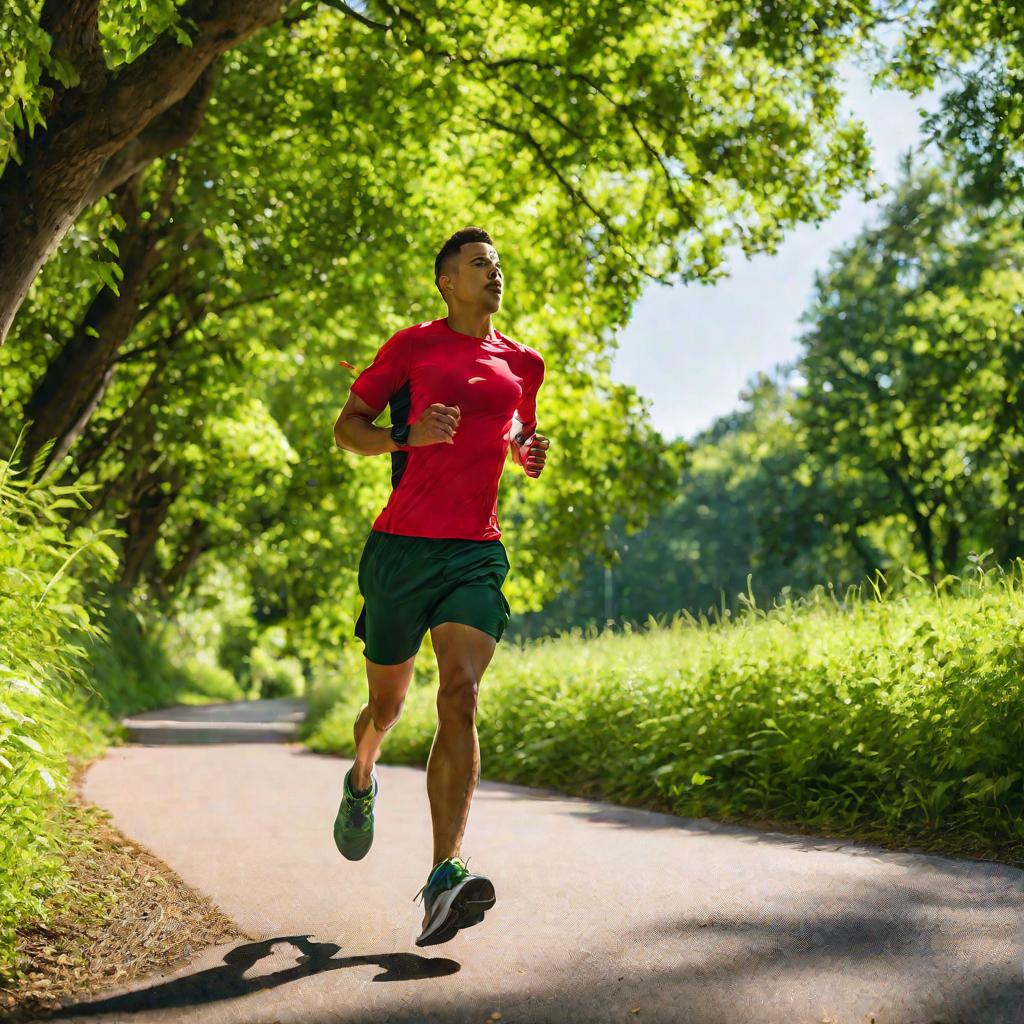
x: 96, y: 447
x: 153, y: 493
x: 194, y: 544
x: 951, y: 546
x: 76, y: 380
x: 86, y: 146
x: 865, y: 552
x: 921, y: 521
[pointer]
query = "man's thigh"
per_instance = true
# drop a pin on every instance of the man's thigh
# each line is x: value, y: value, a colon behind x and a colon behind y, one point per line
x: 461, y: 651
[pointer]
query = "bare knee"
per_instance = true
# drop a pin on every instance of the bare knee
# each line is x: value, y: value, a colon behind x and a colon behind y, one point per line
x: 457, y: 696
x: 385, y: 713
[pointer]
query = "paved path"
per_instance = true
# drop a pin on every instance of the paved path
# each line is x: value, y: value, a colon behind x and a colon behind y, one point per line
x: 237, y: 721
x: 604, y: 913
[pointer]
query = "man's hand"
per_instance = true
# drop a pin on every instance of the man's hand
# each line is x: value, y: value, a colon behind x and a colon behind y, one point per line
x: 437, y: 425
x: 530, y: 452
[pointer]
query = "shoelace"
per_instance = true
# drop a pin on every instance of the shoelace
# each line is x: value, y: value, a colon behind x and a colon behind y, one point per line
x: 463, y: 868
x: 360, y: 806
x: 361, y: 801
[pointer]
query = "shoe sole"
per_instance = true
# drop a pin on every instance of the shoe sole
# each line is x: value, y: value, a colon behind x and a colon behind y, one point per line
x: 459, y: 908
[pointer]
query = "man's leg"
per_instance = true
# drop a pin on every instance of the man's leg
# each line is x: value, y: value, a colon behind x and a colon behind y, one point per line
x: 453, y: 768
x: 388, y: 685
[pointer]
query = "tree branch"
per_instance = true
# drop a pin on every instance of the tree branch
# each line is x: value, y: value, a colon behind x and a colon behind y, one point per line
x: 171, y: 130
x: 198, y: 313
x: 619, y: 108
x: 167, y: 71
x: 339, y: 5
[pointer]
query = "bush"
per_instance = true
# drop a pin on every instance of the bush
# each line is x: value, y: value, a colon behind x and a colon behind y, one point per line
x: 894, y: 718
x: 74, y: 658
x: 276, y: 677
x: 42, y: 711
x: 129, y: 670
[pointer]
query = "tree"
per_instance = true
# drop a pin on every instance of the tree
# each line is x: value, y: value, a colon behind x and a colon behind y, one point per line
x: 661, y: 124
x: 96, y: 123
x: 913, y: 362
x: 977, y: 48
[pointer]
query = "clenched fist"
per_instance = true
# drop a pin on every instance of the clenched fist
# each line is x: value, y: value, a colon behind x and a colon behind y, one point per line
x: 437, y: 425
x: 530, y: 453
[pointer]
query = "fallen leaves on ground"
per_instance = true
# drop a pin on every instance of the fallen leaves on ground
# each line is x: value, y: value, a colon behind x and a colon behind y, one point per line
x: 130, y: 916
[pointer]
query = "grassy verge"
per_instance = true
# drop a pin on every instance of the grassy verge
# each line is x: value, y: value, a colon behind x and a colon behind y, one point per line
x: 123, y: 915
x: 895, y: 717
x: 66, y: 675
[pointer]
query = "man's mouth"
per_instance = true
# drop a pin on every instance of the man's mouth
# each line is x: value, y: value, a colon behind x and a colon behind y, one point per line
x: 494, y: 288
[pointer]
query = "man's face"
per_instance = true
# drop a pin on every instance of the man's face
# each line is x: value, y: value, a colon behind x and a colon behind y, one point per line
x: 474, y: 278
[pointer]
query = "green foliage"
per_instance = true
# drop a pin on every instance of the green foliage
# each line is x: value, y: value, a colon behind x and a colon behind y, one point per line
x: 24, y: 56
x: 894, y: 440
x: 746, y: 517
x: 276, y: 677
x: 912, y: 368
x: 895, y: 715
x: 45, y: 619
x: 976, y: 49
x: 68, y: 664
x: 132, y: 670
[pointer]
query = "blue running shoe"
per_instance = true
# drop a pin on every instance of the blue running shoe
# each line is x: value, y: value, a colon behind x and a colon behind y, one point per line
x: 353, y: 826
x: 453, y: 898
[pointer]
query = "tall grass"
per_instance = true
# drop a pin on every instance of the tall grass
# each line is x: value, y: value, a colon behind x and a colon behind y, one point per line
x: 894, y: 715
x: 43, y: 621
x: 74, y: 657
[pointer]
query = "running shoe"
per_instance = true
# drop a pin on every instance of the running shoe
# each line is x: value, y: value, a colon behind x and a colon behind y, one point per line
x: 453, y: 898
x: 353, y: 826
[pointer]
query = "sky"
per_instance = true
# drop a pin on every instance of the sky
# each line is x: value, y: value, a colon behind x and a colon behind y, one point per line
x: 692, y: 348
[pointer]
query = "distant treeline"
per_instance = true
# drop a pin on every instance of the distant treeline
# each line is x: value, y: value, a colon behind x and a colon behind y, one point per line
x: 895, y: 440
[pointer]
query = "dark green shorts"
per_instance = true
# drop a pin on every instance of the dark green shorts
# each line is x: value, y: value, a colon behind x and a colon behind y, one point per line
x: 411, y: 584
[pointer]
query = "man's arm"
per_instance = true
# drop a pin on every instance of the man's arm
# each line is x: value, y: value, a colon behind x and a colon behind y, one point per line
x: 354, y: 430
x: 528, y: 448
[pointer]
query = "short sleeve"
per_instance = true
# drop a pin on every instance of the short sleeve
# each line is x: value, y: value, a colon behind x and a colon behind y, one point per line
x: 532, y: 380
x: 386, y: 374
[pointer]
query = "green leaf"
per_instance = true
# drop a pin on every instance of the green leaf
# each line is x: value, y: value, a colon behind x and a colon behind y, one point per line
x: 27, y: 741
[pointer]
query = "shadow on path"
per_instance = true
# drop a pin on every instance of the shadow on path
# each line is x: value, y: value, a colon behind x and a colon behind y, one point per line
x: 680, y: 967
x: 227, y: 982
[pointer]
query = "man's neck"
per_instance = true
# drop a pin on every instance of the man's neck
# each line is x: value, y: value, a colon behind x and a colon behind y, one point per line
x: 465, y: 322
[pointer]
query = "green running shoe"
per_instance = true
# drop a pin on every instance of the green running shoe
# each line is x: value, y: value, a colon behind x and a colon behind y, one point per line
x: 353, y: 826
x: 454, y: 898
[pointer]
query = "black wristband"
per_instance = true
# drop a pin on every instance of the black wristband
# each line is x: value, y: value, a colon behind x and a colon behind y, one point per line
x: 400, y: 434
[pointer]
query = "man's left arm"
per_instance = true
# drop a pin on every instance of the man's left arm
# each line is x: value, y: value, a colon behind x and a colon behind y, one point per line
x: 529, y: 449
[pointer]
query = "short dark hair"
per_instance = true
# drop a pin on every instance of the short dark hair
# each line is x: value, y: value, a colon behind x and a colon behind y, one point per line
x: 454, y: 244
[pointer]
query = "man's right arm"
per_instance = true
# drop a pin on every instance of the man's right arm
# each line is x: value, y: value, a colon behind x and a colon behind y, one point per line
x: 354, y: 430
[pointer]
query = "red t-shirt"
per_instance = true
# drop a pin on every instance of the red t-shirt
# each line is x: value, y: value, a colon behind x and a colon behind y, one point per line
x: 451, y: 490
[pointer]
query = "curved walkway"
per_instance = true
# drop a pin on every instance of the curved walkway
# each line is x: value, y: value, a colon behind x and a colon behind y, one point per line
x: 604, y: 913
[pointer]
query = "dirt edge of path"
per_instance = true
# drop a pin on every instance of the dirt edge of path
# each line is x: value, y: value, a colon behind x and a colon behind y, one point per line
x: 127, y: 916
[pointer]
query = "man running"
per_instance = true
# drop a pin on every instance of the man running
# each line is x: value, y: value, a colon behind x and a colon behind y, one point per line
x: 462, y: 395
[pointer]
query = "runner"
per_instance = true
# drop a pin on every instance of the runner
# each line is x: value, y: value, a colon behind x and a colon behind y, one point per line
x: 462, y: 395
